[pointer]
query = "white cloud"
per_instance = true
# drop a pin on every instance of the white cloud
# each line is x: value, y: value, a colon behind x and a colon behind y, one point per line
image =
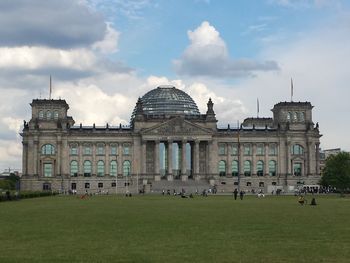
x: 33, y: 58
x: 207, y: 55
x: 109, y: 44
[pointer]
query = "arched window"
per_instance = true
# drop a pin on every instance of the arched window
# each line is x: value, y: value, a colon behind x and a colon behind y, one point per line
x: 247, y: 168
x: 297, y: 149
x: 114, y: 168
x: 41, y: 114
x: 48, y: 149
x: 234, y: 168
x: 272, y: 168
x: 87, y: 168
x: 48, y: 115
x: 222, y: 168
x: 295, y: 116
x: 260, y: 168
x: 301, y: 116
x: 289, y: 116
x: 100, y: 168
x: 55, y: 115
x: 74, y: 168
x: 126, y: 168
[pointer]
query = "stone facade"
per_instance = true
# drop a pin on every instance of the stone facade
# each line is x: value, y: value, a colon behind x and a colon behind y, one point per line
x: 263, y: 153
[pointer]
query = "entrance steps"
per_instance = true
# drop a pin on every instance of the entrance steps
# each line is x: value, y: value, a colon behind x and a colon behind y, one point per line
x: 190, y: 186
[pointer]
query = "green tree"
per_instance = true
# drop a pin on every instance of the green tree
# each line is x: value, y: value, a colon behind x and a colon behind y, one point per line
x: 337, y: 172
x: 9, y: 183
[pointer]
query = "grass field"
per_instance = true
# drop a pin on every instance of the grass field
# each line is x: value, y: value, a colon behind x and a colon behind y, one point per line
x: 172, y: 229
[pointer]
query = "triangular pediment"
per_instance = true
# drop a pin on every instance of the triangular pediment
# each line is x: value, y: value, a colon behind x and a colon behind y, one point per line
x: 176, y: 126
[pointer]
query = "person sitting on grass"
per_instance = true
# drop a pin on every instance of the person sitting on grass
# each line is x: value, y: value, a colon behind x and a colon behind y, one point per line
x: 313, y: 201
x: 301, y: 200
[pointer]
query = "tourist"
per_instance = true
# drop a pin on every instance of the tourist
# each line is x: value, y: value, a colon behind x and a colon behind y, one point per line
x: 301, y: 200
x: 313, y: 201
x: 241, y: 194
x: 235, y: 193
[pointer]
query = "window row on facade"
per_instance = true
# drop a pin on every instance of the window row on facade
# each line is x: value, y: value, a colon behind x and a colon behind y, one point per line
x: 296, y: 116
x: 260, y: 168
x: 296, y: 149
x: 100, y: 168
x: 48, y: 114
x: 87, y: 149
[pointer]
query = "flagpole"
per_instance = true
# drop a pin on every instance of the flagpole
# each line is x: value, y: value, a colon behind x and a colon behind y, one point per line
x: 238, y: 157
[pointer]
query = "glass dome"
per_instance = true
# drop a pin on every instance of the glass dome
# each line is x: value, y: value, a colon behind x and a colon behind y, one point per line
x: 167, y: 100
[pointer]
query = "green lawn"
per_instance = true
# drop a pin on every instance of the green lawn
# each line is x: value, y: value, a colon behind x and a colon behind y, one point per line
x: 172, y: 229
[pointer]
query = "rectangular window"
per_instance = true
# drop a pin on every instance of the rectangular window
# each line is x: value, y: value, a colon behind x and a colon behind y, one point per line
x: 113, y: 150
x: 74, y: 150
x: 100, y: 150
x: 126, y: 149
x: 234, y: 149
x: 222, y: 149
x: 260, y: 149
x: 247, y: 150
x: 74, y: 186
x: 113, y: 184
x: 87, y: 150
x: 297, y: 169
x: 87, y: 185
x: 47, y: 169
x: 100, y: 185
x: 46, y: 187
x: 272, y: 149
x: 249, y: 184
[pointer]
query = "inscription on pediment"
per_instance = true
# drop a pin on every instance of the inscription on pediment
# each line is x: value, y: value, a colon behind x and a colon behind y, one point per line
x: 177, y: 127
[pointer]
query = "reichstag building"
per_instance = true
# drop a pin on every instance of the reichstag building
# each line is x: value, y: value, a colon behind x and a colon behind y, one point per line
x: 169, y: 141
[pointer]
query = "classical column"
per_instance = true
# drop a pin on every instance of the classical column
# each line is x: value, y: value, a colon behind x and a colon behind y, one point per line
x: 288, y: 159
x: 266, y: 160
x: 120, y: 159
x: 24, y: 158
x: 241, y: 159
x: 309, y: 157
x: 196, y: 157
x: 107, y: 159
x: 156, y: 159
x: 183, y: 158
x: 58, y: 157
x: 94, y: 164
x: 170, y: 157
x: 35, y: 161
x: 254, y: 159
x: 229, y: 159
x: 317, y: 158
x: 143, y: 157
x: 81, y: 161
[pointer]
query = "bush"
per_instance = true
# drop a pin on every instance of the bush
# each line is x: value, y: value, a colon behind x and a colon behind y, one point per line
x: 26, y: 195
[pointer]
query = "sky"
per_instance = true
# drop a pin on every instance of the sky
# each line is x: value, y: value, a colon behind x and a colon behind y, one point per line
x: 104, y: 54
